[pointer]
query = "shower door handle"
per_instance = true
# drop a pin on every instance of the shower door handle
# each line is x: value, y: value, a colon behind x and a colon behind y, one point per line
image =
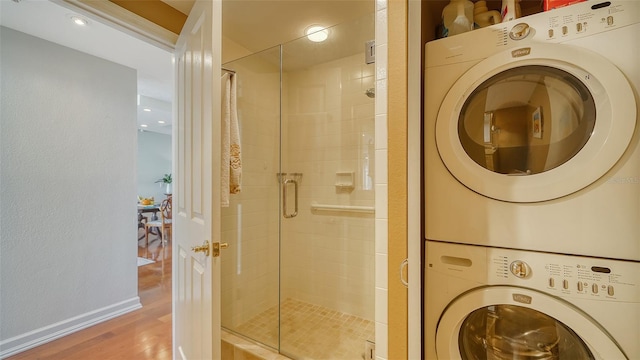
x: 284, y: 198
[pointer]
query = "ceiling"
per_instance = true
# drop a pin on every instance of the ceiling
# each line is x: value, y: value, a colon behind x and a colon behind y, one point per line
x: 52, y: 22
x: 252, y: 24
x: 260, y: 24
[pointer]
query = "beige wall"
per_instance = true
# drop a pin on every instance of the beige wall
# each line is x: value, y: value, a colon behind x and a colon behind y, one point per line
x: 231, y: 50
x: 397, y: 165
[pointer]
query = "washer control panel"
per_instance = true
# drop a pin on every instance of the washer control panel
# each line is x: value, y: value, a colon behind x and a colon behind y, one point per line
x: 565, y: 275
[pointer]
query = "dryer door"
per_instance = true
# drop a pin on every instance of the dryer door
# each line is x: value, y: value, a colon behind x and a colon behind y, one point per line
x: 513, y: 323
x: 536, y: 123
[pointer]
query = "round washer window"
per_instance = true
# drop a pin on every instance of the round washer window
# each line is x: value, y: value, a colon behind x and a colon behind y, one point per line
x: 515, y: 332
x: 526, y: 120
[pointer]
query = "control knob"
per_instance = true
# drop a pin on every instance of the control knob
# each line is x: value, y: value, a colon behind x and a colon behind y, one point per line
x: 520, y: 269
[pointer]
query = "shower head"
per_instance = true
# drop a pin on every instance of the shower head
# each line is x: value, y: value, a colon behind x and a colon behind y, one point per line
x: 370, y: 92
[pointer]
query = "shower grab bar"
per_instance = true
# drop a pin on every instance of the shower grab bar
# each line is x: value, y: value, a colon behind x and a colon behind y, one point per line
x: 345, y: 208
x: 284, y: 198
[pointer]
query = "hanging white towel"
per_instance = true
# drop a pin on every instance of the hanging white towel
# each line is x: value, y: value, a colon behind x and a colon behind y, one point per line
x: 231, y: 171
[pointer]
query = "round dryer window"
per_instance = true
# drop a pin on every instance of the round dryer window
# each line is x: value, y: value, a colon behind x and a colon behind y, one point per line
x: 535, y: 127
x: 526, y: 120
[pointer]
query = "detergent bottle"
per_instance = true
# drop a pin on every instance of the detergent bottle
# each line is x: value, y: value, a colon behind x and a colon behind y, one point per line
x: 482, y: 16
x: 457, y: 17
x: 510, y: 10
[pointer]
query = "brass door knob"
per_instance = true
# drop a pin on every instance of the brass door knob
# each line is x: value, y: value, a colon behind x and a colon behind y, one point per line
x: 202, y: 248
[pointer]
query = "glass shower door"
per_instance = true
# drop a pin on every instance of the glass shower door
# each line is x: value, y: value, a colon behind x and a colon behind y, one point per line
x: 327, y: 249
x: 250, y: 225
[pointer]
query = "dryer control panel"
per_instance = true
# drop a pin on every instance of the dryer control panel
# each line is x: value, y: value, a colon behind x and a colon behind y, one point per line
x: 565, y: 275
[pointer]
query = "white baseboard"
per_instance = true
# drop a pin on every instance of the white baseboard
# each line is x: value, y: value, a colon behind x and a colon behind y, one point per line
x: 26, y: 341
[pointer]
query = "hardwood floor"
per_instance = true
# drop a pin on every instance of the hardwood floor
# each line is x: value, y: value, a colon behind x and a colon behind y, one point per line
x: 141, y: 334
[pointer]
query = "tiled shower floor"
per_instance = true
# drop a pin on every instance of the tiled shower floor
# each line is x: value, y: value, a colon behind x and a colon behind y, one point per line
x: 311, y: 331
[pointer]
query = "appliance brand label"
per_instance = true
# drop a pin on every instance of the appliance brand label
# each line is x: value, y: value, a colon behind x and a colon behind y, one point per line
x: 521, y: 52
x: 525, y: 299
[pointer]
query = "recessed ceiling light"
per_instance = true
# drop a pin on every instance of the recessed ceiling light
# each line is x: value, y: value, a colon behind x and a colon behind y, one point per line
x: 160, y: 121
x: 144, y: 125
x: 79, y: 20
x: 146, y: 109
x: 317, y: 33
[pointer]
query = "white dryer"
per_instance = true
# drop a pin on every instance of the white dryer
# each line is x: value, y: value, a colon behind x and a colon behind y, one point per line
x: 493, y: 303
x: 531, y: 133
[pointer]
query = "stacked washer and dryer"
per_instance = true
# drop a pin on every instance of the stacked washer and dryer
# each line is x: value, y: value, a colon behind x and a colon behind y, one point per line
x: 532, y: 187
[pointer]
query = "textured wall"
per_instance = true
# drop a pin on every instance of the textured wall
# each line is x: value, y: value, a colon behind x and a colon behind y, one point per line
x: 154, y: 160
x: 67, y: 199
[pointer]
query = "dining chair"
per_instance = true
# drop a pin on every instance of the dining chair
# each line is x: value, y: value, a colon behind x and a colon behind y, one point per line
x: 163, y: 224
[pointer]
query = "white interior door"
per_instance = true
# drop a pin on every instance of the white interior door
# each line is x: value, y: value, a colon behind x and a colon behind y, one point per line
x: 196, y: 207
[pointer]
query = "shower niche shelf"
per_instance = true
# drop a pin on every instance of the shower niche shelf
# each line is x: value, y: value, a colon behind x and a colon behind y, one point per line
x: 345, y: 181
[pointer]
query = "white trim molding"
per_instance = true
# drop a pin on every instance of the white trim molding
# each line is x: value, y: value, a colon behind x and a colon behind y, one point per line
x: 31, y: 339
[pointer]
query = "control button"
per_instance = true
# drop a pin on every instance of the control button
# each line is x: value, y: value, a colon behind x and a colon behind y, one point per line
x: 580, y: 287
x: 519, y: 31
x: 552, y: 282
x: 594, y: 288
x: 610, y: 290
x: 520, y: 269
x: 565, y: 284
x: 579, y: 27
x: 550, y: 33
x: 609, y: 20
x: 565, y: 30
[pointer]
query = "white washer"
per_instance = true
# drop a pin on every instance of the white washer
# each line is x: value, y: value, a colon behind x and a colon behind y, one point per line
x: 531, y: 134
x: 493, y: 303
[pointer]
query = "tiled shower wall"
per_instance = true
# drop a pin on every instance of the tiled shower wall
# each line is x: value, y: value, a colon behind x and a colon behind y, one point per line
x: 328, y: 128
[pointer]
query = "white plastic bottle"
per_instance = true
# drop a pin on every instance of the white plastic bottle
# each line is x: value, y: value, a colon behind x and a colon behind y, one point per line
x: 510, y: 10
x: 457, y: 17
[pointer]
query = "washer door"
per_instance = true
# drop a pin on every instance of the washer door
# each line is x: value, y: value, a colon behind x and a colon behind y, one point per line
x: 535, y: 124
x: 503, y: 322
